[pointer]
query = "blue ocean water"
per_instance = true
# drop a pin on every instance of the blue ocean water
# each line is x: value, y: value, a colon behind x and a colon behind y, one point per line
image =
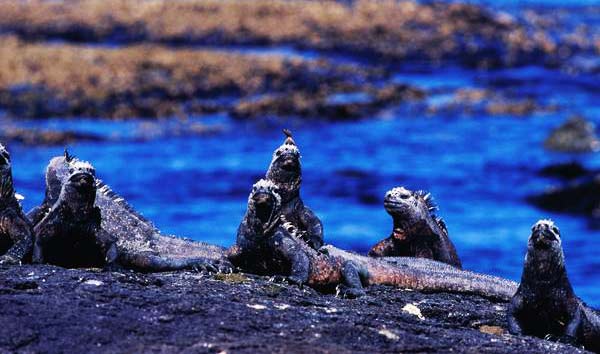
x: 479, y: 167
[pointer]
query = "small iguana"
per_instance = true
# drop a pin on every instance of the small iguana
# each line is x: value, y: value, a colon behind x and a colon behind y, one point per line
x: 267, y: 244
x: 70, y: 234
x: 16, y: 236
x: 545, y: 304
x: 417, y: 231
x: 285, y: 171
x: 140, y: 245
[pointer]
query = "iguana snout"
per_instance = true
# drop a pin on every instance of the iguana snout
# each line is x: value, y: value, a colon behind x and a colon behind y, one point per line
x: 82, y: 179
x: 264, y: 203
x: 544, y: 235
x: 290, y: 163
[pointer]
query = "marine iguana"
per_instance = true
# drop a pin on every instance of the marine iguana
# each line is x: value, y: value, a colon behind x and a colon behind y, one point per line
x: 141, y: 246
x: 53, y: 187
x: 70, y: 234
x: 545, y: 304
x: 268, y: 244
x: 417, y: 231
x: 285, y: 171
x: 16, y: 235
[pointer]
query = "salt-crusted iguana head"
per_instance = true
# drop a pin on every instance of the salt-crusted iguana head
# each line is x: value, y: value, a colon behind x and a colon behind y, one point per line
x: 545, y: 260
x: 411, y: 209
x: 264, y: 204
x: 79, y: 190
x: 285, y: 169
x: 7, y: 189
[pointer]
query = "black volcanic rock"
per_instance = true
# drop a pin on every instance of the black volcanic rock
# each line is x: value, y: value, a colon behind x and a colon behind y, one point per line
x: 580, y: 197
x: 575, y: 135
x: 45, y: 137
x: 50, y: 309
x: 564, y: 171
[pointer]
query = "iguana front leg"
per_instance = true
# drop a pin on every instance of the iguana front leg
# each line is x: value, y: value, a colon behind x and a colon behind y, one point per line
x: 515, y: 306
x: 108, y: 245
x: 20, y: 232
x: 46, y: 230
x: 36, y: 214
x: 573, y: 327
x: 285, y: 246
x: 105, y: 241
x: 314, y: 228
x: 353, y: 285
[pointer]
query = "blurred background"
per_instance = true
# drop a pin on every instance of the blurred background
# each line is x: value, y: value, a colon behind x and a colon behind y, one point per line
x: 489, y: 105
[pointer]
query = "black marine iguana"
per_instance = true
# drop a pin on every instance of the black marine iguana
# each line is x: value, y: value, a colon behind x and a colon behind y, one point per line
x: 545, y: 304
x: 16, y: 236
x: 140, y: 245
x: 267, y: 244
x: 417, y: 231
x: 285, y: 171
x: 70, y: 234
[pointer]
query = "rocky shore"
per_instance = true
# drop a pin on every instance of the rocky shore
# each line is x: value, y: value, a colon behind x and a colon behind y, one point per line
x: 137, y: 59
x: 51, y: 309
x: 386, y: 30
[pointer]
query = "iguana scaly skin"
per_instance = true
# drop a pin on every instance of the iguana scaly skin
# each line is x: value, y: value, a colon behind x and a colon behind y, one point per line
x: 268, y: 244
x: 285, y: 171
x: 417, y: 231
x: 16, y: 236
x: 70, y: 234
x: 140, y: 245
x: 545, y: 304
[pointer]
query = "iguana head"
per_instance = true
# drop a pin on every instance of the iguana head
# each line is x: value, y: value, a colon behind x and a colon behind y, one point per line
x: 411, y: 209
x: 285, y: 169
x: 79, y: 189
x: 264, y: 204
x: 545, y: 235
x: 545, y: 258
x: 56, y: 173
x: 7, y: 190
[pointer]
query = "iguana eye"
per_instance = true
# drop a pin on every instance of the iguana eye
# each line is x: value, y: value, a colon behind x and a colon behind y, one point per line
x: 555, y: 229
x: 278, y: 153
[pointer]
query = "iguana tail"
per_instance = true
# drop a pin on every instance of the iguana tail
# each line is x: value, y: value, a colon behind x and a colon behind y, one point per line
x: 149, y: 262
x: 445, y: 280
x: 426, y: 275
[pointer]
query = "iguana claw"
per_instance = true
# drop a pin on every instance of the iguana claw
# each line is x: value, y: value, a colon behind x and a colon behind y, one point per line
x: 345, y: 292
x: 8, y: 259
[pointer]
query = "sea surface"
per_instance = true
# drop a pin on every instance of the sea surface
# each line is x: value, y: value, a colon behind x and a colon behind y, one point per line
x: 479, y: 167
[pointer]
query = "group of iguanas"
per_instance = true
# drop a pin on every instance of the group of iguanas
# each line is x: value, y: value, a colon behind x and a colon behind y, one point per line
x: 83, y: 223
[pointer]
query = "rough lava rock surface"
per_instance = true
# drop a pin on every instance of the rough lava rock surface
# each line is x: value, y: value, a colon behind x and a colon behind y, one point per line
x: 51, y: 309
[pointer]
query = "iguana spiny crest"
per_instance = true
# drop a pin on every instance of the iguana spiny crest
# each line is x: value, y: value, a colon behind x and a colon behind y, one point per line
x: 7, y: 189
